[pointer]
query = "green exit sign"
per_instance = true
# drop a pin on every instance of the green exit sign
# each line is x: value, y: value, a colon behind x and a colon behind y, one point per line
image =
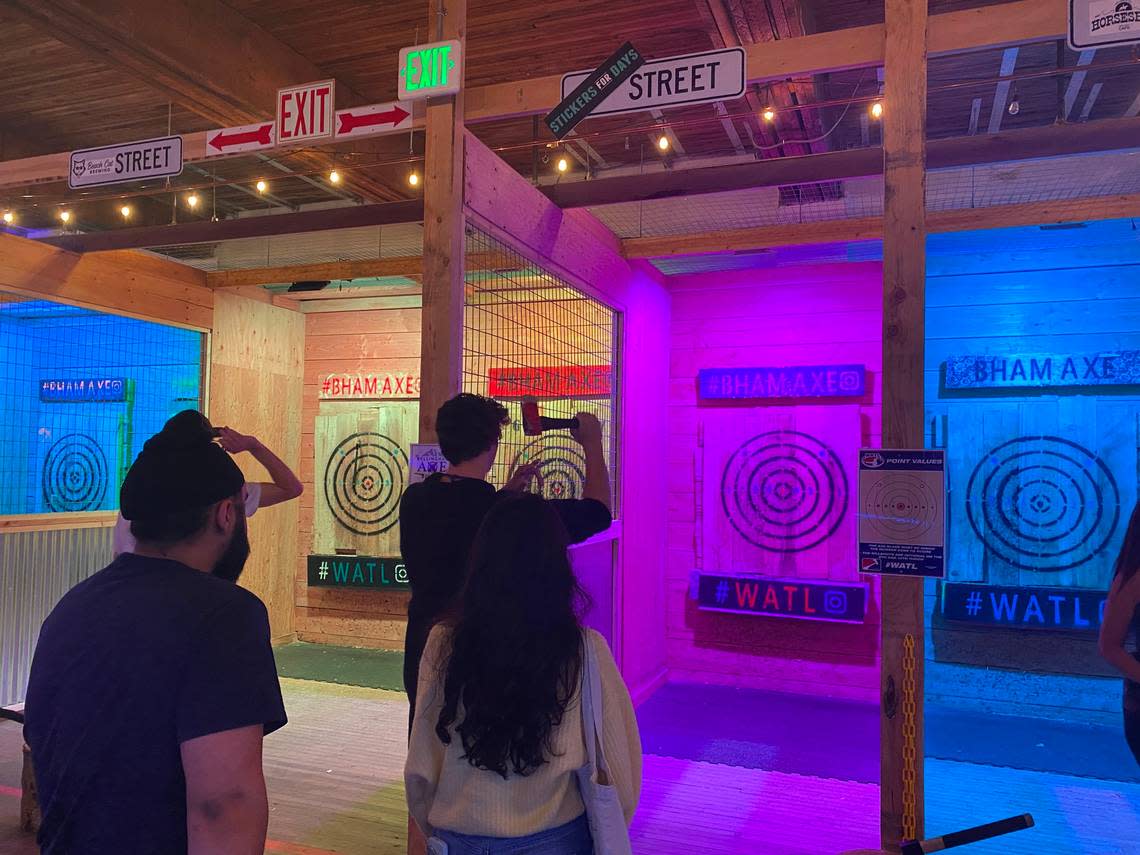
x: 430, y: 70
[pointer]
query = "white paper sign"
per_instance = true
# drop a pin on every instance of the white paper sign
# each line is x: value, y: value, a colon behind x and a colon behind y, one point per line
x: 424, y: 459
x: 1101, y: 23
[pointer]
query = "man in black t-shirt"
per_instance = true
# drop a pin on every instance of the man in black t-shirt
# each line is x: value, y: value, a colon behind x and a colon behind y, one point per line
x: 440, y: 516
x: 153, y: 681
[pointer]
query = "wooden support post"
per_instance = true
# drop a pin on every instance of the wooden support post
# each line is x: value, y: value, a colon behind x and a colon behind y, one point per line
x: 441, y: 353
x: 904, y: 286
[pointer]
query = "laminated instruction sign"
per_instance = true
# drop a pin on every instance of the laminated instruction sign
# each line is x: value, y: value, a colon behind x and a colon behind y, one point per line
x: 902, y: 512
x: 424, y: 459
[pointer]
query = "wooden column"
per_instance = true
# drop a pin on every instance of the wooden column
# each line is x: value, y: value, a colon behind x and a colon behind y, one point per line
x: 904, y: 286
x: 441, y: 355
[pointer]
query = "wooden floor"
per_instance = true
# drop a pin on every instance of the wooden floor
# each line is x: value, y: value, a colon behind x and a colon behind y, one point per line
x: 335, y: 785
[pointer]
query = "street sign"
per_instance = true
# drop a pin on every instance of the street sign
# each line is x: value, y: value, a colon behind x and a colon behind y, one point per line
x: 135, y: 161
x: 373, y: 119
x: 242, y: 138
x: 1103, y: 23
x: 693, y: 78
x: 305, y: 112
x: 593, y: 89
x: 902, y: 512
x: 429, y: 70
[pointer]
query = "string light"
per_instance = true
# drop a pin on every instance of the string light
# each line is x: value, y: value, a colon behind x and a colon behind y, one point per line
x: 9, y: 217
x: 563, y: 164
x: 65, y: 216
x: 1014, y: 106
x: 334, y: 177
x: 413, y: 178
x: 877, y: 110
x: 663, y: 142
x: 125, y: 211
x: 769, y: 114
x: 261, y: 185
x: 192, y: 200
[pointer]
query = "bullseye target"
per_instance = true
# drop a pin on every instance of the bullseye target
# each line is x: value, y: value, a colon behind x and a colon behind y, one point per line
x: 902, y: 509
x: 364, y: 479
x: 561, y: 468
x: 75, y: 474
x: 1043, y: 503
x: 784, y: 491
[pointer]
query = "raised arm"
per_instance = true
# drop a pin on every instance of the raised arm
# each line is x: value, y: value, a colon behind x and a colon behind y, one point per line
x: 227, y: 810
x: 589, y: 435
x: 285, y: 485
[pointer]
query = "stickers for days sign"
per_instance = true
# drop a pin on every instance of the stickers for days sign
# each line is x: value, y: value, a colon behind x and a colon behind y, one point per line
x: 305, y: 112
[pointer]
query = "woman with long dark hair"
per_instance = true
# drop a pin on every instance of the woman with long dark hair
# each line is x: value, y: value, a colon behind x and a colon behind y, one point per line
x: 497, y: 736
x: 1122, y: 613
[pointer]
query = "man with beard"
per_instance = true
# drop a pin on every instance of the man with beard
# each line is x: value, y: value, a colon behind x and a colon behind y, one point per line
x: 153, y: 681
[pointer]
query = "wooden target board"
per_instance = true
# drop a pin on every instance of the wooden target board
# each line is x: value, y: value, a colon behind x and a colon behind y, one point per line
x: 777, y: 491
x: 360, y: 473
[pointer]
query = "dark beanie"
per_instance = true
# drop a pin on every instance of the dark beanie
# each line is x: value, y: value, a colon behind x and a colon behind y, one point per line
x: 180, y: 468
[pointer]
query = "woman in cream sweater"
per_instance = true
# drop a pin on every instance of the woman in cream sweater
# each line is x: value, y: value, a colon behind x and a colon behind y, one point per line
x: 497, y: 735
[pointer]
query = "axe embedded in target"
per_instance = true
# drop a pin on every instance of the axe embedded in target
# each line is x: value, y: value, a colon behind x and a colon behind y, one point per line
x: 536, y: 424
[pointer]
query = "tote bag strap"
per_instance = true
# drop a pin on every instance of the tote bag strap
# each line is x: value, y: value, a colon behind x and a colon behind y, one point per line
x: 591, y: 693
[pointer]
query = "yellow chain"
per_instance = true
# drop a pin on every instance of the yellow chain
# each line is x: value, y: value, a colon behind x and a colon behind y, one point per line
x: 910, y: 735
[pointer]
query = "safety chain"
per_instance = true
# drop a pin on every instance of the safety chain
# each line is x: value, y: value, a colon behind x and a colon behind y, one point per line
x: 910, y: 737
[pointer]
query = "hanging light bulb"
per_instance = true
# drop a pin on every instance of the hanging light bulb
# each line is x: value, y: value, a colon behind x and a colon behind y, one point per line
x: 65, y: 216
x: 877, y: 110
x: 334, y: 177
x: 663, y: 142
x: 9, y: 217
x: 563, y: 164
x: 125, y: 211
x: 1014, y: 106
x: 261, y: 185
x: 769, y: 114
x: 192, y: 201
x: 413, y: 178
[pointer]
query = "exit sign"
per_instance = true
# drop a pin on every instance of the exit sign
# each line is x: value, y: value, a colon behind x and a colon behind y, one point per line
x: 430, y: 70
x: 305, y: 112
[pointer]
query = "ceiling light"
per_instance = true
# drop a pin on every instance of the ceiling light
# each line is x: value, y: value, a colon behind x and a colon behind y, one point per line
x: 769, y: 114
x: 663, y: 142
x: 9, y: 217
x: 877, y: 110
x: 261, y: 185
x: 413, y: 178
x: 125, y: 211
x: 563, y: 164
x: 1014, y: 106
x: 334, y: 177
x: 65, y: 216
x: 192, y: 200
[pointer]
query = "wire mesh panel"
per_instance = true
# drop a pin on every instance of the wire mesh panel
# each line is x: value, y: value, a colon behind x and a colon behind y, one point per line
x: 80, y: 392
x: 528, y: 332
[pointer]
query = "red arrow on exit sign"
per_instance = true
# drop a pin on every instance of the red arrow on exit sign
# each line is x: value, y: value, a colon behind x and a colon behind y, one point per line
x: 373, y: 119
x: 241, y: 138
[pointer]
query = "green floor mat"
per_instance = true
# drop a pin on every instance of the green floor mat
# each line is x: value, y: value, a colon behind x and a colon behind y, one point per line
x: 351, y: 666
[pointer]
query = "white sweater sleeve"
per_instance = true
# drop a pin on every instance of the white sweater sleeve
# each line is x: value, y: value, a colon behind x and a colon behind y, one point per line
x: 425, y: 751
x: 621, y: 740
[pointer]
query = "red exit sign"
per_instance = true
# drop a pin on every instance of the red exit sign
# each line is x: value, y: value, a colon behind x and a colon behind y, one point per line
x: 305, y: 112
x: 559, y: 381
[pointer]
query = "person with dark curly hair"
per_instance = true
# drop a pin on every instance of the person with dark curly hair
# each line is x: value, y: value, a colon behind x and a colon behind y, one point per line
x: 440, y: 516
x: 1121, y: 620
x: 498, y: 737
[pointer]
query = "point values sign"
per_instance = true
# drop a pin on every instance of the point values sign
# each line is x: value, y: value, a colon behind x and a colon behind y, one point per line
x: 594, y: 88
x: 693, y: 78
x: 135, y: 161
x: 357, y: 571
x: 1068, y: 609
x: 902, y: 512
x: 837, y: 602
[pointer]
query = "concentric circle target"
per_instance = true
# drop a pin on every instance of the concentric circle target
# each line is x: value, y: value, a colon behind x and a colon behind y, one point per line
x: 561, y: 468
x: 1043, y: 503
x: 784, y: 491
x: 364, y: 479
x: 75, y: 474
x: 901, y: 508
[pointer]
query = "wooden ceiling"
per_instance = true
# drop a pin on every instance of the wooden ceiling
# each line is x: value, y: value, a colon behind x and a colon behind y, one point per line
x: 63, y: 92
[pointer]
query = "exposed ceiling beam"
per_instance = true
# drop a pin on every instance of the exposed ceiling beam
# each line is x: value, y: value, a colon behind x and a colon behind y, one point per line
x: 975, y: 115
x: 411, y: 266
x: 200, y: 54
x: 1001, y: 91
x: 383, y: 213
x: 1063, y: 211
x: 1106, y: 135
x: 1094, y: 93
x: 1134, y: 109
x: 1077, y: 81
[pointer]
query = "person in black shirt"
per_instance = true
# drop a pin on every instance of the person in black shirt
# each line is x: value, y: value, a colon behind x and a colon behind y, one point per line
x: 440, y: 516
x: 153, y: 681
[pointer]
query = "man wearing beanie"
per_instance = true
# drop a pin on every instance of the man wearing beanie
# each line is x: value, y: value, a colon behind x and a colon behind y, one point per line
x: 153, y: 681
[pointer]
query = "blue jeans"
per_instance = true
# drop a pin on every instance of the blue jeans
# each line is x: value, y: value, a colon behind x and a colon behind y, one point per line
x: 573, y: 838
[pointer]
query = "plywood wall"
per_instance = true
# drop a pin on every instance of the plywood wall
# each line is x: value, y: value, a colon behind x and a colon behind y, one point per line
x: 256, y: 367
x: 826, y: 314
x: 376, y: 342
